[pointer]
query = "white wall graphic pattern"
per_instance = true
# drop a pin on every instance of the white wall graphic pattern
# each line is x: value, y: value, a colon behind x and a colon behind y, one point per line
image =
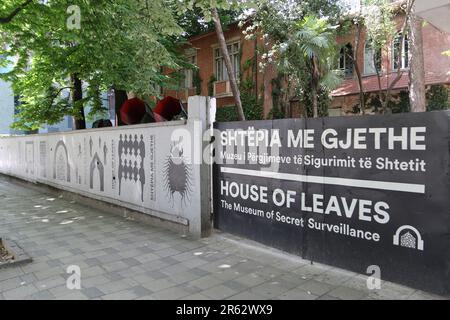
x: 116, y: 165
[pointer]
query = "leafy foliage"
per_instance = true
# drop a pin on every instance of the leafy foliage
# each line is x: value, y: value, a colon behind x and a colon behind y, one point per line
x: 109, y: 49
x: 193, y: 22
x: 226, y: 113
x: 194, y: 8
x: 438, y: 98
x: 378, y: 16
x: 299, y: 39
x: 252, y: 104
x: 398, y: 104
x: 324, y: 100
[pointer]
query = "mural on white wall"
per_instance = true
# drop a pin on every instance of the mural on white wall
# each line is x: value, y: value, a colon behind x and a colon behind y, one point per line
x: 61, y: 165
x: 177, y: 173
x: 131, y: 162
x: 29, y: 157
x: 139, y: 167
x: 43, y: 158
x: 97, y: 164
x: 79, y: 163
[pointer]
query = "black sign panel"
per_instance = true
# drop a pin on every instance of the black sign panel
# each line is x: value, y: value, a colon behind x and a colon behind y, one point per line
x: 352, y: 192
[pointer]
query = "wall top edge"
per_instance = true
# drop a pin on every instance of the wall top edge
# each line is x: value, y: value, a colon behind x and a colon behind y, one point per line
x: 106, y: 129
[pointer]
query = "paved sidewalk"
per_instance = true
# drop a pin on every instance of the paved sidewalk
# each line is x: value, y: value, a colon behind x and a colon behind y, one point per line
x: 123, y: 259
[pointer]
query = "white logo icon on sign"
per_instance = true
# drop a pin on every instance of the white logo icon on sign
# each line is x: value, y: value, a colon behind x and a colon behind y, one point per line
x: 409, y: 239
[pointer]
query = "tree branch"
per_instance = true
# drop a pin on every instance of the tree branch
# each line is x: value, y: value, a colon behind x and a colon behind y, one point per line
x: 15, y: 12
x: 56, y: 94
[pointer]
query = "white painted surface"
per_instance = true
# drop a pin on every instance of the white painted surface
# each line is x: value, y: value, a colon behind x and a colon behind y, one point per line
x: 89, y: 162
x: 436, y: 12
x: 6, y: 107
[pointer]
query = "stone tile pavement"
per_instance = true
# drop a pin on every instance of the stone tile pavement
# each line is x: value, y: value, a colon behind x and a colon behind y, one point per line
x: 124, y: 259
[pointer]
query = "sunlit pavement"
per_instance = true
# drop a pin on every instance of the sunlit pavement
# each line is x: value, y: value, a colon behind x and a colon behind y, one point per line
x: 124, y: 259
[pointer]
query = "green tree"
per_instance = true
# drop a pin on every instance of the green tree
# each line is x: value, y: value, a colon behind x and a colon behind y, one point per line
x: 438, y: 98
x: 113, y: 43
x: 193, y: 23
x: 9, y: 9
x: 299, y: 40
x: 313, y: 46
x: 378, y: 17
x: 210, y: 10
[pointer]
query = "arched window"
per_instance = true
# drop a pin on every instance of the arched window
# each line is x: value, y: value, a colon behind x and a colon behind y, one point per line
x: 372, y: 59
x: 402, y: 42
x: 346, y: 60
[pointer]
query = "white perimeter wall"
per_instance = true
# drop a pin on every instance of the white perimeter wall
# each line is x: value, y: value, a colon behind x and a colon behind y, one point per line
x: 138, y: 167
x: 6, y: 107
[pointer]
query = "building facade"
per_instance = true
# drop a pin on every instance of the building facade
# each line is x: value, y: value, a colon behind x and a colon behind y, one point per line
x: 212, y: 79
x: 436, y: 64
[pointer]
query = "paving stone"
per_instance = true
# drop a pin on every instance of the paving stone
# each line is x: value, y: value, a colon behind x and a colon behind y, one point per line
x: 94, y: 281
x: 327, y: 297
x: 140, y: 291
x: 42, y: 295
x: 219, y: 292
x: 316, y: 287
x: 297, y: 294
x: 131, y: 262
x: 113, y: 287
x: 348, y: 293
x: 155, y: 274
x: 235, y: 285
x: 199, y: 272
x: 9, y: 273
x: 189, y: 288
x: 121, y: 295
x: 270, y: 290
x: 115, y: 266
x: 247, y: 295
x: 206, y: 282
x: 54, y: 263
x: 250, y: 280
x: 172, y: 293
x: 93, y: 262
x: 123, y: 259
x: 92, y: 292
x: 196, y: 296
x: 10, y: 284
x: 183, y: 277
x: 73, y: 295
x: 20, y: 292
x: 158, y: 285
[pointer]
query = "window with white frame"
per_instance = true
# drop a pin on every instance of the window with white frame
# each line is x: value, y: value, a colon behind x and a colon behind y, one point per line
x: 403, y: 43
x: 372, y: 59
x: 346, y: 60
x: 188, y: 74
x: 219, y: 63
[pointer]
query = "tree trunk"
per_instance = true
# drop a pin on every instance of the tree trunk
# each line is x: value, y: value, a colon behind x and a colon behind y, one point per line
x: 362, y: 103
x: 226, y: 57
x: 417, y: 98
x: 390, y: 86
x: 268, y: 97
x: 120, y: 96
x: 79, y: 120
x: 314, y: 102
x: 314, y: 87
